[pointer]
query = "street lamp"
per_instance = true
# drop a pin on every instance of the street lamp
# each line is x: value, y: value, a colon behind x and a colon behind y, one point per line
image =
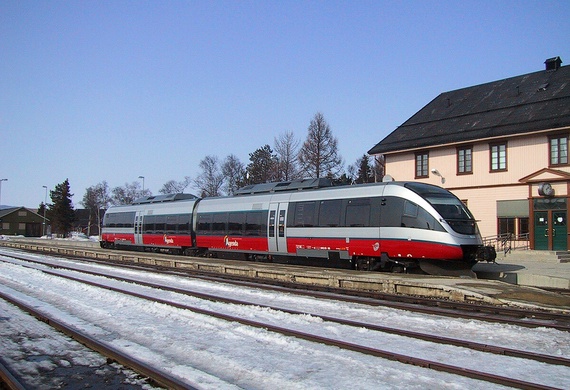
x: 1, y: 180
x: 436, y: 172
x: 142, y: 177
x: 45, y: 207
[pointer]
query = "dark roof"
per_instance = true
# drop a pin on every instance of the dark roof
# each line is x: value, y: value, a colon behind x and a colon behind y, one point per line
x: 10, y: 210
x: 522, y: 104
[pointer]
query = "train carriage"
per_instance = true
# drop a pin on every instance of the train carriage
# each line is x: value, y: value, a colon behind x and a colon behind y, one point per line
x: 392, y: 226
x: 163, y: 222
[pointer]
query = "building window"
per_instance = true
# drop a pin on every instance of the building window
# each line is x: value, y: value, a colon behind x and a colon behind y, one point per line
x: 499, y: 157
x: 506, y: 226
x: 464, y: 160
x: 523, y: 226
x: 559, y: 150
x: 421, y: 165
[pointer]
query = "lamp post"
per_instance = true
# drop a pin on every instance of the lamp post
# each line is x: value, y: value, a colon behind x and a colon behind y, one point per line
x: 1, y: 180
x: 142, y: 177
x: 436, y: 172
x: 45, y: 207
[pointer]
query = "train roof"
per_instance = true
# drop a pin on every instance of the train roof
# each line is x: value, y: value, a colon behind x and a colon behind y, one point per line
x: 164, y: 198
x: 295, y: 185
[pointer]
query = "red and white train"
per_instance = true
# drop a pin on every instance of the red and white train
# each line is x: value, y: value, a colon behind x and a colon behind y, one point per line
x: 390, y: 226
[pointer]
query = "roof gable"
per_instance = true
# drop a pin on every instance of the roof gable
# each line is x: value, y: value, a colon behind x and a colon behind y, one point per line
x: 546, y: 174
x: 522, y: 104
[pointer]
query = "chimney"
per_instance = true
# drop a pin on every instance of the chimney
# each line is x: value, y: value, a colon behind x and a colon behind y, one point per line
x: 553, y: 63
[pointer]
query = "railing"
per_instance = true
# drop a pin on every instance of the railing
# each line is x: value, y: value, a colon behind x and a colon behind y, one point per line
x: 507, y: 242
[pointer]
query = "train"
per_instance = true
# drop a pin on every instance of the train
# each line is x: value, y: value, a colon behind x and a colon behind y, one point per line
x: 389, y: 226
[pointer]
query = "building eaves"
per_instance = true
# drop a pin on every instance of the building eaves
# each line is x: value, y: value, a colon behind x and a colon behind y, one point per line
x: 522, y: 104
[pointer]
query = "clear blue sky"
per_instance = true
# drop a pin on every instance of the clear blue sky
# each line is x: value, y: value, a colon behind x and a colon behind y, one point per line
x: 112, y: 90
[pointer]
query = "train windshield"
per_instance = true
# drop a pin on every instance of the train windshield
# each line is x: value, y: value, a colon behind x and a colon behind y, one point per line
x: 454, y: 211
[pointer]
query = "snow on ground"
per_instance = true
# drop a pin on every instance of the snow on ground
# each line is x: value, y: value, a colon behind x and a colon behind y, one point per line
x: 213, y: 353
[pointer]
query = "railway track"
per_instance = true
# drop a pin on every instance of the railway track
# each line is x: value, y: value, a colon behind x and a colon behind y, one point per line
x: 220, y: 298
x: 347, y: 345
x: 527, y: 317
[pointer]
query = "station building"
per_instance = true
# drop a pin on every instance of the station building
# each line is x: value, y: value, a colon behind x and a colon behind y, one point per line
x: 502, y: 148
x: 21, y: 221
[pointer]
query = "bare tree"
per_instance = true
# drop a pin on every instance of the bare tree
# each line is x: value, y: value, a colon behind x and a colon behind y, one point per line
x: 378, y: 168
x: 319, y: 156
x: 210, y: 181
x: 287, y: 151
x: 233, y: 171
x: 96, y: 198
x: 128, y: 193
x: 175, y: 187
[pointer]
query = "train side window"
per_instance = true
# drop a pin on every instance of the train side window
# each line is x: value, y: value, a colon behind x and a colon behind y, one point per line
x: 417, y: 218
x: 236, y: 223
x: 109, y: 220
x: 392, y: 211
x: 329, y: 213
x: 184, y: 223
x: 305, y: 214
x: 410, y: 209
x: 204, y: 224
x: 219, y: 223
x: 171, y: 223
x: 253, y: 224
x: 148, y: 224
x: 160, y: 224
x: 358, y: 213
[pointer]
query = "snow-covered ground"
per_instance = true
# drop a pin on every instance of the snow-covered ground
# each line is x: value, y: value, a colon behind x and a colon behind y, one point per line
x: 211, y: 353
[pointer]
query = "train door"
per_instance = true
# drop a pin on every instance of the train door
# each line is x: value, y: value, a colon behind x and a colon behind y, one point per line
x: 276, y: 229
x: 139, y: 228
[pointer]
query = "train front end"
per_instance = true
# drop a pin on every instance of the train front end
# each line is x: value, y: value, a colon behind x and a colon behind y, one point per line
x: 461, y: 226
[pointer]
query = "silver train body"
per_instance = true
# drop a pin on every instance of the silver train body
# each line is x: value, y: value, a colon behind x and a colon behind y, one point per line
x: 392, y: 226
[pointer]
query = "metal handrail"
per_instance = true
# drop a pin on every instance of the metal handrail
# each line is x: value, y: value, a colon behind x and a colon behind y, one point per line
x: 507, y: 242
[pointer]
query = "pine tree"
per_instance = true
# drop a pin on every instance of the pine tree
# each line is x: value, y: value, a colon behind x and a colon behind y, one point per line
x: 61, y: 212
x: 263, y: 166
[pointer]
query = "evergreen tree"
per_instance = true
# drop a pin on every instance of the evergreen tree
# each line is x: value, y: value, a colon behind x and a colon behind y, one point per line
x: 61, y: 212
x: 365, y: 171
x: 263, y: 166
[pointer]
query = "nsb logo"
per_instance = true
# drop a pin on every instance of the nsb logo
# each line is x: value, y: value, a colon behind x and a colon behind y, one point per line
x: 229, y: 243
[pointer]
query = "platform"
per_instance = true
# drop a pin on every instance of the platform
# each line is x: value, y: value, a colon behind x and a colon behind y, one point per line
x: 543, y: 269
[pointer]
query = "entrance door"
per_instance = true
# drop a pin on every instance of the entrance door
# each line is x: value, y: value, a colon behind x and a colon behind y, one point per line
x: 541, y: 230
x: 550, y: 230
x: 138, y: 228
x: 559, y: 231
x: 276, y: 230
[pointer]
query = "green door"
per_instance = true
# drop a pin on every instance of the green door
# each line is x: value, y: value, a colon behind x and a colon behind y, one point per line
x: 541, y: 230
x: 559, y: 231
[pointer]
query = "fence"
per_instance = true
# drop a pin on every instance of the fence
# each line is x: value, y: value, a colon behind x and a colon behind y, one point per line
x: 508, y: 242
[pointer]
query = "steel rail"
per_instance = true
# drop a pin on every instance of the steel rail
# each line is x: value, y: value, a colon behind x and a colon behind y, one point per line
x: 498, y: 350
x: 8, y: 379
x: 161, y: 378
x: 478, y: 310
x: 487, y: 313
x: 406, y: 359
